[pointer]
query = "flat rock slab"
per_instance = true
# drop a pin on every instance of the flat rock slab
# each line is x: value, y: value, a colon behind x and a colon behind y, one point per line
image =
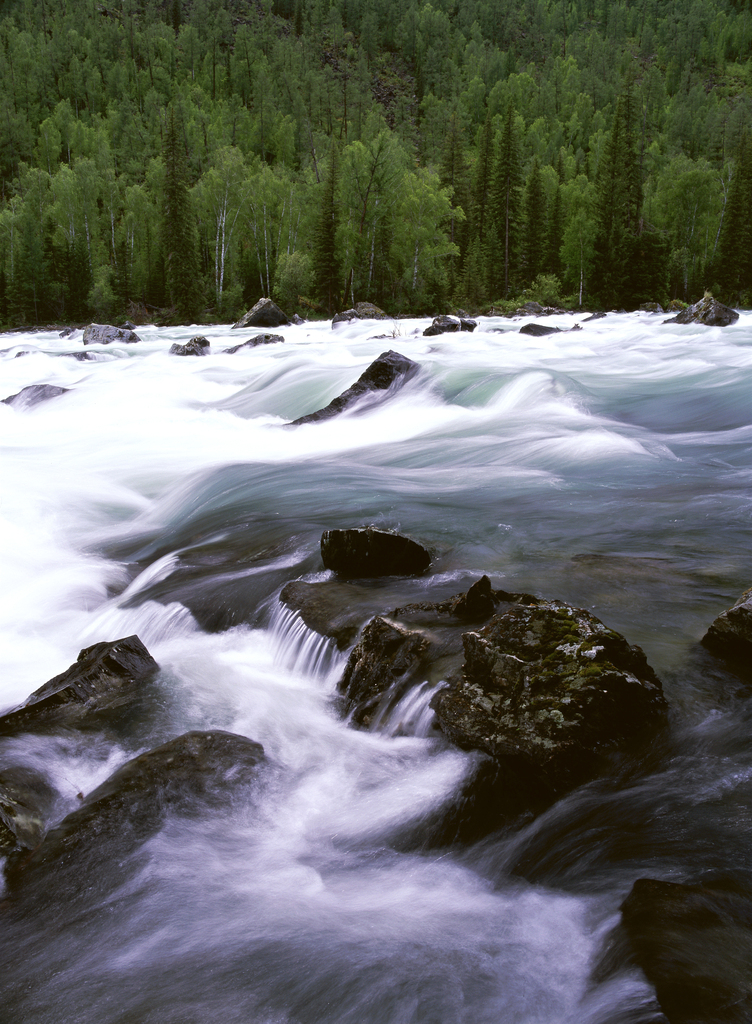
x: 132, y: 804
x: 260, y: 339
x: 102, y: 679
x: 198, y: 346
x: 265, y: 313
x: 551, y: 687
x: 369, y: 552
x: 694, y: 944
x: 539, y: 330
x: 730, y: 635
x: 390, y: 371
x: 34, y: 394
x: 105, y: 334
x: 707, y: 311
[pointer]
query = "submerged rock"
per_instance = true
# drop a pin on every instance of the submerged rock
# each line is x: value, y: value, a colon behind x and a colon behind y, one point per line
x: 448, y: 324
x: 370, y: 552
x: 103, y: 679
x: 105, y: 334
x: 707, y: 311
x: 260, y: 339
x: 730, y: 635
x: 538, y: 330
x: 694, y: 944
x: 265, y: 313
x: 198, y: 346
x: 33, y: 395
x: 552, y: 688
x: 132, y: 804
x: 390, y: 370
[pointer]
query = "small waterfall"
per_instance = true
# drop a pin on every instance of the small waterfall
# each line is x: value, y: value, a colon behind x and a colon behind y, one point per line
x: 410, y: 714
x: 300, y: 649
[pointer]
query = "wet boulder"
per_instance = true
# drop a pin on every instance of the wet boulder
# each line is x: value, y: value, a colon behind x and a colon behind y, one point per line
x: 447, y: 324
x: 25, y: 802
x: 370, y: 552
x: 730, y: 635
x: 198, y: 346
x: 594, y: 316
x: 708, y: 311
x: 105, y: 334
x: 538, y: 330
x: 345, y: 316
x: 265, y: 313
x: 102, y: 681
x: 259, y: 339
x: 133, y: 803
x: 694, y: 945
x: 33, y: 395
x: 652, y: 307
x: 551, y: 689
x: 390, y: 371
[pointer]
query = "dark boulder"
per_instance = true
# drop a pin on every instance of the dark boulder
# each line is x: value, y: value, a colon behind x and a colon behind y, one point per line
x: 345, y: 316
x: 265, y: 313
x: 538, y: 330
x: 370, y: 552
x: 652, y: 307
x: 706, y: 311
x: 102, y: 681
x: 260, y: 339
x: 33, y: 395
x: 105, y: 334
x: 296, y: 319
x: 132, y: 804
x: 730, y: 635
x: 198, y: 346
x: 694, y: 944
x: 25, y: 802
x: 448, y: 324
x: 391, y: 370
x: 594, y: 316
x: 551, y: 688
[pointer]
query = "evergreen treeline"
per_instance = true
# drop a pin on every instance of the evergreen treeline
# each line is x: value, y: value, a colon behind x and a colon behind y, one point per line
x: 190, y: 155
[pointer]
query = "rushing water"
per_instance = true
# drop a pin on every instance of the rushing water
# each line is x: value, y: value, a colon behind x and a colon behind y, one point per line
x: 610, y: 467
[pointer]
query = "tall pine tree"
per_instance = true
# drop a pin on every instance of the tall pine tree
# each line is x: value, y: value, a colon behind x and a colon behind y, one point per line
x: 179, y: 236
x: 505, y: 203
x: 732, y: 267
x: 325, y: 258
x: 534, y: 207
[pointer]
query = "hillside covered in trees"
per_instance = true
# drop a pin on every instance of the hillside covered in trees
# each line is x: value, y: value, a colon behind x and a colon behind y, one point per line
x: 178, y: 159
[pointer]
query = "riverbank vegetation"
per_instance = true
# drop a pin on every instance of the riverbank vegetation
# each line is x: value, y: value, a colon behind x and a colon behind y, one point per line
x: 178, y: 159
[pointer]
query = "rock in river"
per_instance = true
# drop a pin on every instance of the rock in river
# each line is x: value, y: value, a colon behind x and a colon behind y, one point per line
x: 103, y: 679
x: 33, y: 395
x: 369, y: 552
x: 730, y: 635
x: 390, y: 370
x: 266, y: 313
x: 707, y: 311
x: 105, y: 334
x: 198, y: 346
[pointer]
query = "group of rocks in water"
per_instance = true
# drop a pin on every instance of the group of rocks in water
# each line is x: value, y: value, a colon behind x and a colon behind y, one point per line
x: 544, y: 693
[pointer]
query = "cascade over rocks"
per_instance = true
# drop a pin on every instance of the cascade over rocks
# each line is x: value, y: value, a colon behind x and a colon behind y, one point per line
x: 447, y: 324
x: 198, y: 346
x: 105, y: 334
x: 730, y: 635
x: 538, y: 330
x: 694, y: 944
x: 390, y: 370
x: 102, y: 680
x: 132, y: 804
x: 370, y: 552
x: 707, y: 311
x: 259, y: 339
x: 33, y: 395
x: 265, y: 313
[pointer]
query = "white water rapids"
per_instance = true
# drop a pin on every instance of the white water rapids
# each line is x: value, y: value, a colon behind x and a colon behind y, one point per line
x: 609, y: 466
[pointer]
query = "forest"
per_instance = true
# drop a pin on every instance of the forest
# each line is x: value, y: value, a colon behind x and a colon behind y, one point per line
x: 173, y: 161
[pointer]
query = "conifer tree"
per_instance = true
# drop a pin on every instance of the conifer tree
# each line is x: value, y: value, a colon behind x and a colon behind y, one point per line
x: 534, y: 208
x: 505, y: 202
x: 732, y: 267
x: 555, y: 227
x: 179, y: 226
x: 453, y: 174
x: 325, y: 257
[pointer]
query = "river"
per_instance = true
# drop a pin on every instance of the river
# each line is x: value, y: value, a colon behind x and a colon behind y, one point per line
x: 609, y: 466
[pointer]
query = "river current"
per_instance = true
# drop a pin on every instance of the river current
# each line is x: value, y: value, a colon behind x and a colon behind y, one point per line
x: 610, y: 467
